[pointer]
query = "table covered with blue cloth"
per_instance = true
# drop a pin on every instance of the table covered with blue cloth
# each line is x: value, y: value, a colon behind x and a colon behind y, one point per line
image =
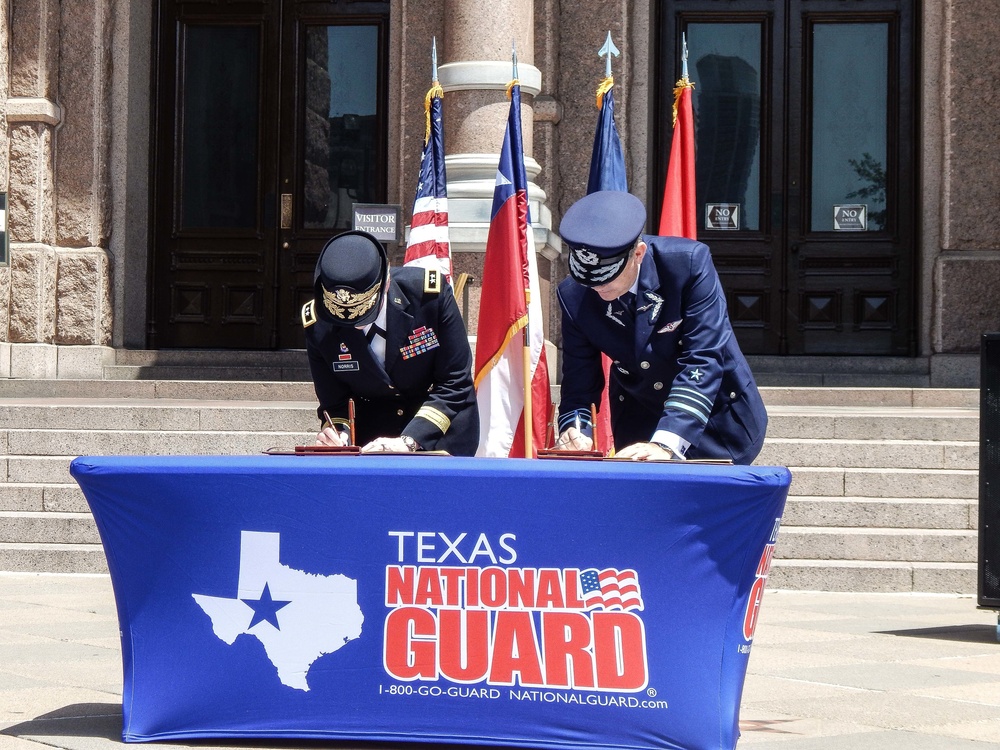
x: 532, y: 603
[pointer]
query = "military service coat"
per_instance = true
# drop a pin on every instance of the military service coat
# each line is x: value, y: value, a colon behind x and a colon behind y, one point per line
x: 423, y: 391
x: 675, y: 367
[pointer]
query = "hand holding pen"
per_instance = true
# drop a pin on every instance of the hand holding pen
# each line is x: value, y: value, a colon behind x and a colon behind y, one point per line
x: 573, y: 439
x: 334, y: 436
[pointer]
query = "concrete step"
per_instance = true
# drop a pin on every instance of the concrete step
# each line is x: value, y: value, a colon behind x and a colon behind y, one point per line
x: 903, y: 454
x: 845, y: 371
x: 52, y: 558
x: 961, y: 398
x: 876, y: 423
x: 870, y: 398
x: 882, y: 513
x: 890, y: 545
x: 147, y: 442
x: 159, y: 414
x: 201, y: 372
x: 207, y: 390
x: 875, y: 577
x: 47, y: 527
x: 37, y: 496
x: 883, y: 482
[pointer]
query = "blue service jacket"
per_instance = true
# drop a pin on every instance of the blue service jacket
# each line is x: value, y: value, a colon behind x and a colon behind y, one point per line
x: 676, y: 368
x: 425, y: 389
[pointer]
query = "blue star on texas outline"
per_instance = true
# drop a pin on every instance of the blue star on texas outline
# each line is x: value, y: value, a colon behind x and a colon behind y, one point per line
x: 265, y: 608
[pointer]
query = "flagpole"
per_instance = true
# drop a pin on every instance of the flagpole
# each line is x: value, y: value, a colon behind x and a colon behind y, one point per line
x: 529, y: 446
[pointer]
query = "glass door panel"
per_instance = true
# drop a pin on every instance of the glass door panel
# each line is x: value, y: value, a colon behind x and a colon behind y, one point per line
x: 725, y: 62
x: 341, y: 160
x: 219, y: 136
x: 850, y: 72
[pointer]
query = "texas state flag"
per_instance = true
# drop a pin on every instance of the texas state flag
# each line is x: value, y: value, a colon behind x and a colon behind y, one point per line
x: 511, y: 304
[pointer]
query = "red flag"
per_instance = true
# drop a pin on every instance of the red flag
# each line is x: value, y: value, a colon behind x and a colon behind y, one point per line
x: 679, y: 217
x: 510, y: 313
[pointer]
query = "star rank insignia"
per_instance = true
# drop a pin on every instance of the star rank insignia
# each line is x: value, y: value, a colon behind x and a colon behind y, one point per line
x: 695, y: 375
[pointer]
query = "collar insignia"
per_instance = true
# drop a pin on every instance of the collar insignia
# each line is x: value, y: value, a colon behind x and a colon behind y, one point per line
x: 656, y: 302
x: 613, y: 314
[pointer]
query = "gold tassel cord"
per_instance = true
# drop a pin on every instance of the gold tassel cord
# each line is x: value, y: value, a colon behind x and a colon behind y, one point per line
x: 602, y: 88
x: 511, y: 85
x: 435, y: 90
x: 684, y: 83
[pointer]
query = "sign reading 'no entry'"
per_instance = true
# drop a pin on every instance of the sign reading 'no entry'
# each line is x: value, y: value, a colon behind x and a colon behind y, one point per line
x: 722, y: 216
x: 852, y: 217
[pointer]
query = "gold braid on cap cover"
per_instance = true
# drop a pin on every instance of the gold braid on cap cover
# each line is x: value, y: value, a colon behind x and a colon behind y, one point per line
x: 348, y: 305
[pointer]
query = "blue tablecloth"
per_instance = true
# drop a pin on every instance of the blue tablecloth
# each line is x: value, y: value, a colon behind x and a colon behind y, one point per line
x: 545, y: 603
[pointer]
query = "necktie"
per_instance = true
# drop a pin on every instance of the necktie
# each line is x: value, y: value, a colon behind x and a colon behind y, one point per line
x: 627, y: 301
x: 376, y: 340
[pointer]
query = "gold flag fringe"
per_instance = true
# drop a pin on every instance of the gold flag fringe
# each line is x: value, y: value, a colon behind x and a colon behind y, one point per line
x: 602, y: 88
x: 684, y: 83
x: 435, y: 90
x: 511, y: 85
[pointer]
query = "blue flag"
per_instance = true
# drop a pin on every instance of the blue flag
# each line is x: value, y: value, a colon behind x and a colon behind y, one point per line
x: 607, y: 164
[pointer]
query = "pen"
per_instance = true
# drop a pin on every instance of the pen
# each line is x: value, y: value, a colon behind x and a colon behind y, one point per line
x: 593, y: 424
x: 350, y: 419
x: 551, y: 435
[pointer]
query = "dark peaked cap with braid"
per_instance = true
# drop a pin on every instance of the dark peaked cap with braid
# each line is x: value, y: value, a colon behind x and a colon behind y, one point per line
x: 350, y: 279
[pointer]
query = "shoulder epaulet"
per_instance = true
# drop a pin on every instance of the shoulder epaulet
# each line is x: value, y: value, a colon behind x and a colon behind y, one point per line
x: 308, y: 313
x: 432, y: 281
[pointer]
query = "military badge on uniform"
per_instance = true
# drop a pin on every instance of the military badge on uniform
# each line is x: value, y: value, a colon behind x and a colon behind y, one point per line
x: 671, y: 326
x: 614, y: 315
x: 308, y: 314
x: 695, y: 375
x: 655, y: 302
x: 422, y: 340
x: 345, y: 362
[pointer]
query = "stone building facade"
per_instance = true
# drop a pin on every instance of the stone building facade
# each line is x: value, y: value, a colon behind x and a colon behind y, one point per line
x: 77, y: 153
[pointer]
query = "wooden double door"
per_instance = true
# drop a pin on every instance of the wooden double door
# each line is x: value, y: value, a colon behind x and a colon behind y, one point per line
x: 269, y: 123
x: 806, y: 152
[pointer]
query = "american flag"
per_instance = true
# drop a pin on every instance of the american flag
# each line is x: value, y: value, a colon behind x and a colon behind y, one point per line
x: 428, y: 245
x: 611, y: 589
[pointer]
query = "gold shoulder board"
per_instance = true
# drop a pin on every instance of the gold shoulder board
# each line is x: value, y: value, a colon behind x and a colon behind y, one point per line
x: 308, y: 314
x: 432, y: 281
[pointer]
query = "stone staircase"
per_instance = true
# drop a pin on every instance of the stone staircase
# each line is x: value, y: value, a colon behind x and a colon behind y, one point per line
x: 883, y: 497
x: 885, y: 485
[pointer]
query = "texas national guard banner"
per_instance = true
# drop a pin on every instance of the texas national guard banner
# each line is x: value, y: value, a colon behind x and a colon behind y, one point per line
x: 532, y: 603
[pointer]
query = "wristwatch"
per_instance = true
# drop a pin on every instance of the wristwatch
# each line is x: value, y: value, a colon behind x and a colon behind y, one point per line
x: 411, y: 445
x: 665, y: 447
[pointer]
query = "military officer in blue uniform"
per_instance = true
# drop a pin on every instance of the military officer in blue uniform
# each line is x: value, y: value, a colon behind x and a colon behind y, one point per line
x: 393, y: 342
x: 680, y: 386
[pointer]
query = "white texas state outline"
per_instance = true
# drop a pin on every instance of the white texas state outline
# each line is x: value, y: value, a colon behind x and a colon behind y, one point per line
x: 320, y: 616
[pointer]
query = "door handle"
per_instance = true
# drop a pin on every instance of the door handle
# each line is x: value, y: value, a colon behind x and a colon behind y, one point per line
x: 286, y: 210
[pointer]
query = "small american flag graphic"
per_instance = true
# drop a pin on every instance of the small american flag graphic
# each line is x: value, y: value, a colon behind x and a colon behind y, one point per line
x: 611, y: 589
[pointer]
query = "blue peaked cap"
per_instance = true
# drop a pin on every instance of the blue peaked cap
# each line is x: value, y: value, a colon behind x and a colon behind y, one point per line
x: 600, y: 229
